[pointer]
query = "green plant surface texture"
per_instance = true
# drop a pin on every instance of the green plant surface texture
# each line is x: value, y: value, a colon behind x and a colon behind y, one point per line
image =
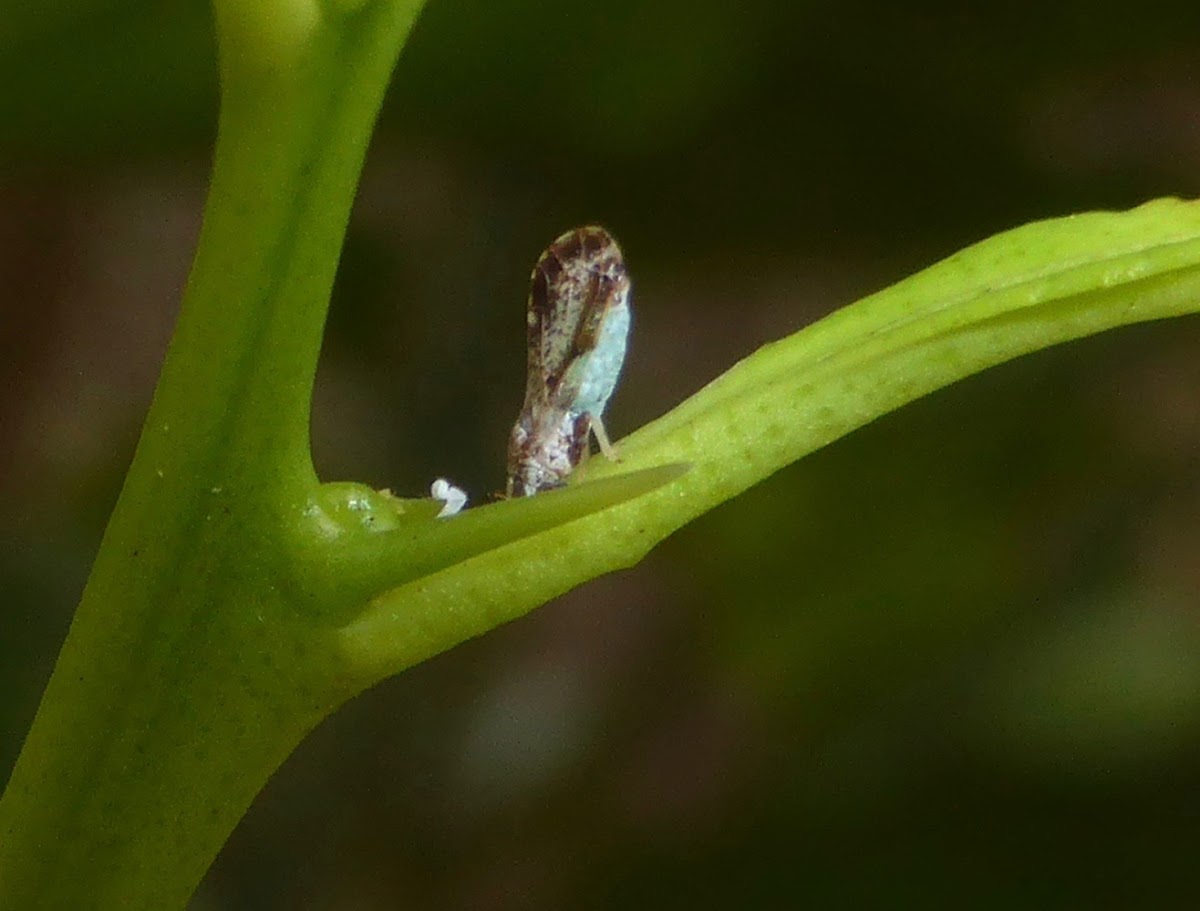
x: 236, y: 600
x: 1020, y: 291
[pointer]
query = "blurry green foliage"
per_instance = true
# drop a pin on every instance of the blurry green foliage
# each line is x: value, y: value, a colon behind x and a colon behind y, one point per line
x: 920, y: 669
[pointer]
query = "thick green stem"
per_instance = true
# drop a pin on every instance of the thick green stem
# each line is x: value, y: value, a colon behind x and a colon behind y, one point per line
x: 235, y: 601
x: 189, y: 674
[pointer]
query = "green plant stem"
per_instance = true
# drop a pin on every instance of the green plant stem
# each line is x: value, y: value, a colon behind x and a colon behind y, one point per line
x: 1020, y: 291
x: 206, y: 644
x: 235, y: 601
x: 189, y: 674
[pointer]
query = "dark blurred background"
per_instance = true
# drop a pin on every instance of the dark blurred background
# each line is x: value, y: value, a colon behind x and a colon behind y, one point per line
x: 952, y: 660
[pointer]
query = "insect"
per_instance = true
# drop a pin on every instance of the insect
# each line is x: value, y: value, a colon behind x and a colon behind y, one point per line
x: 578, y: 325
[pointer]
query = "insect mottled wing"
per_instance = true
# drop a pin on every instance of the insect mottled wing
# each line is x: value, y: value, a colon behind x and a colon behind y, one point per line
x: 578, y: 323
x: 578, y: 289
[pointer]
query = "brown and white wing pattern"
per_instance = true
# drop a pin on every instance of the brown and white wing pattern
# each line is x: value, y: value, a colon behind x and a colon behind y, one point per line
x: 578, y: 326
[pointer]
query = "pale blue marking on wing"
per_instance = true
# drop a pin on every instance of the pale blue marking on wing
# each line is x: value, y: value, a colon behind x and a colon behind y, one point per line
x: 593, y: 376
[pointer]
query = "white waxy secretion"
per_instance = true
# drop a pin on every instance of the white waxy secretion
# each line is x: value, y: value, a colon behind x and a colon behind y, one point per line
x: 453, y: 498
